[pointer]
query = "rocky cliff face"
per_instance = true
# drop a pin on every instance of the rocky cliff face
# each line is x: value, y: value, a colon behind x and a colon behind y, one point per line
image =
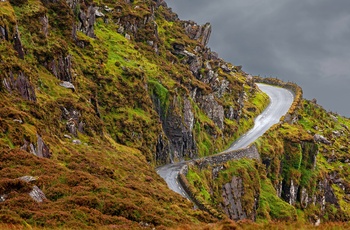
x: 233, y: 202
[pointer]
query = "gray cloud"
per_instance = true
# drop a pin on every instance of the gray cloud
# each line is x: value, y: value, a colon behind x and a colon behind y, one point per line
x: 306, y: 42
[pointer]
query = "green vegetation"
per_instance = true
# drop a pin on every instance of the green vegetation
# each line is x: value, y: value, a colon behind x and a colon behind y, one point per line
x: 126, y: 115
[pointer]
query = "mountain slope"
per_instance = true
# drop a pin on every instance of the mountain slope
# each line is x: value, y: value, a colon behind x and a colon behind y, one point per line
x: 94, y: 96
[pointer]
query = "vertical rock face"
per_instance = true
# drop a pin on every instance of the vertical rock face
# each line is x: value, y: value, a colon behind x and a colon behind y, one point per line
x: 3, y: 33
x: 87, y: 20
x: 233, y: 204
x: 21, y: 85
x: 212, y: 109
x: 162, y: 150
x: 61, y: 68
x: 290, y: 192
x: 45, y: 25
x: 179, y: 133
x: 18, y: 44
x: 178, y: 128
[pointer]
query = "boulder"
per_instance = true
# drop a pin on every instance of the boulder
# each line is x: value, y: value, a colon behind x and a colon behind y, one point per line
x: 36, y: 193
x: 67, y: 85
x: 321, y: 139
x: 98, y: 13
x: 77, y: 142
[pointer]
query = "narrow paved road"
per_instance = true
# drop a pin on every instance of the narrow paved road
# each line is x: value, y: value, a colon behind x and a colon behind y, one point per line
x: 280, y: 101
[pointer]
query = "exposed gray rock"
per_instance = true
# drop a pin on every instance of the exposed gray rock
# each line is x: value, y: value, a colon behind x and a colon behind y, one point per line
x: 3, y: 197
x: 212, y: 109
x: 293, y: 193
x: 197, y: 32
x: 127, y: 36
x: 37, y: 194
x: 231, y: 195
x: 161, y: 3
x: 67, y: 136
x: 76, y: 141
x: 87, y: 21
x: 337, y: 133
x: 289, y: 191
x: 18, y: 121
x: 73, y: 120
x: 189, y: 54
x: 318, y: 222
x: 225, y: 68
x: 18, y: 43
x: 178, y: 48
x: 321, y: 139
x: 178, y: 128
x: 21, y: 85
x: 42, y: 150
x: 220, y: 87
x: 304, y: 198
x: 107, y: 9
x: 61, y: 67
x: 67, y: 85
x: 195, y: 65
x: 45, y: 25
x: 232, y: 204
x: 150, y: 43
x: 188, y: 115
x: 206, y: 34
x: 28, y: 178
x: 162, y: 150
x: 120, y: 29
x: 98, y: 13
x: 3, y: 33
x: 71, y: 127
x: 334, y: 118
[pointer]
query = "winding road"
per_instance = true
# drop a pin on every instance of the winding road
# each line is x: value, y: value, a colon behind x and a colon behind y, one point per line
x: 280, y: 101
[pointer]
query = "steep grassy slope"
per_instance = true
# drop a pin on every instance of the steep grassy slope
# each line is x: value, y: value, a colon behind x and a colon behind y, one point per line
x: 93, y: 96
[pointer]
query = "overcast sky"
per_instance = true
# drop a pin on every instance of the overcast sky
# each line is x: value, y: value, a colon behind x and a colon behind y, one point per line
x: 307, y: 42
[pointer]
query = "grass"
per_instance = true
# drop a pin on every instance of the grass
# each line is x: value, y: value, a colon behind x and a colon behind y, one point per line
x: 271, y: 207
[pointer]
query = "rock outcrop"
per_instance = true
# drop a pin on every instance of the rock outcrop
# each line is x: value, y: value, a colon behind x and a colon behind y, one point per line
x: 212, y: 109
x: 233, y: 205
x: 20, y: 84
x: 198, y: 32
x: 178, y: 128
x: 39, y: 150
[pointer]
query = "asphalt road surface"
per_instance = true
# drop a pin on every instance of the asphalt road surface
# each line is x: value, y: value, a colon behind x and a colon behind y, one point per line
x: 280, y: 101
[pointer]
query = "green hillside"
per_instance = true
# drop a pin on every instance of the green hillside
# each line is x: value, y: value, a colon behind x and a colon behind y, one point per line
x: 94, y: 95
